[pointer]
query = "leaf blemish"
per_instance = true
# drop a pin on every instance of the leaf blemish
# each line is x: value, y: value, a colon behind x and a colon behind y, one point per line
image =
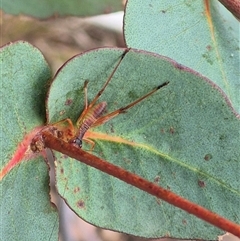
x: 162, y: 131
x: 64, y: 156
x: 208, y: 157
x: 62, y: 112
x: 127, y: 160
x: 80, y: 204
x: 112, y: 129
x: 76, y: 189
x: 184, y: 221
x: 201, y: 183
x: 157, y: 179
x: 68, y: 102
x: 172, y: 130
x: 209, y: 47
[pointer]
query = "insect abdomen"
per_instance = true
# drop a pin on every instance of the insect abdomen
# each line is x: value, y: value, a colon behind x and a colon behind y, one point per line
x: 90, y: 118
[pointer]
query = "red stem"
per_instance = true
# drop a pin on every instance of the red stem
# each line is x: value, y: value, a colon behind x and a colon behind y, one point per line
x: 137, y: 181
x: 233, y: 6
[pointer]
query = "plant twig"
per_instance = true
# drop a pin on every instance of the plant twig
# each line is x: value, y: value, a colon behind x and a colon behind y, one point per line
x: 233, y: 6
x: 59, y: 145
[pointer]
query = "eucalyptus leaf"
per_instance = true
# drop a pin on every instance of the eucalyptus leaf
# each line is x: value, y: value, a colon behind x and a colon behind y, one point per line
x: 185, y: 136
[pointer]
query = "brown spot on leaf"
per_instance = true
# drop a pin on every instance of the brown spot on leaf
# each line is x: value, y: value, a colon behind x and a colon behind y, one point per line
x: 64, y: 156
x: 76, y: 189
x: 207, y: 157
x: 80, y: 204
x: 157, y: 179
x: 61, y: 170
x: 201, y: 183
x: 209, y: 47
x: 112, y: 129
x: 222, y: 137
x: 172, y: 130
x: 68, y: 102
x: 61, y: 112
x: 127, y: 160
x: 184, y: 221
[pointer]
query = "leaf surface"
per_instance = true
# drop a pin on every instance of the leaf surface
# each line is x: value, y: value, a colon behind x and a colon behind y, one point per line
x: 26, y: 210
x: 184, y: 137
x: 202, y: 35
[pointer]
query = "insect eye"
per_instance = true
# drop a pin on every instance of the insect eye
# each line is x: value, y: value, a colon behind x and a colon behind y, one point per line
x: 78, y: 142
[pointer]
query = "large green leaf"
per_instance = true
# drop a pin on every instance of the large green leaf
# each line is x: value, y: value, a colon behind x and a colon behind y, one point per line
x: 49, y: 8
x: 26, y: 210
x: 201, y: 36
x: 186, y: 136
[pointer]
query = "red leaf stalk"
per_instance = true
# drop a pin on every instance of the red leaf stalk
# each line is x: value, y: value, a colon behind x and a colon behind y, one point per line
x: 59, y: 145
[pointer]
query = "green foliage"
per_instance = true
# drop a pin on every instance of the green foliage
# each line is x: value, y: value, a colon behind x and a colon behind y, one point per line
x: 26, y: 212
x: 185, y: 135
x: 50, y: 8
x: 187, y: 33
x: 173, y: 131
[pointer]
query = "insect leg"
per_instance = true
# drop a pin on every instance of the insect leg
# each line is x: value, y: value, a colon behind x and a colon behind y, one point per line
x: 113, y: 114
x: 87, y: 107
x: 108, y: 80
x: 90, y: 142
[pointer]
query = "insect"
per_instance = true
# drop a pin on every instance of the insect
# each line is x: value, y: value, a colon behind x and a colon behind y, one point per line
x: 91, y: 116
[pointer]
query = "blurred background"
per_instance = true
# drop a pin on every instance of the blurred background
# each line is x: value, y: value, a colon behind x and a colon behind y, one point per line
x: 61, y: 38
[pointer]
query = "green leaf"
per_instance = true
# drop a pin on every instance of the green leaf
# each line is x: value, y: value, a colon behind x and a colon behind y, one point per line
x: 26, y: 210
x: 206, y: 41
x: 46, y: 9
x: 185, y: 137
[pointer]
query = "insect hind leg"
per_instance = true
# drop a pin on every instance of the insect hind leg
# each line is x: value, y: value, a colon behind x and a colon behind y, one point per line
x: 124, y: 109
x: 87, y: 107
x: 108, y: 80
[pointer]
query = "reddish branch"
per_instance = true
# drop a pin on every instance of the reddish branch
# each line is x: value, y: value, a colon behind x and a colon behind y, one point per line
x: 59, y: 145
x: 233, y: 6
